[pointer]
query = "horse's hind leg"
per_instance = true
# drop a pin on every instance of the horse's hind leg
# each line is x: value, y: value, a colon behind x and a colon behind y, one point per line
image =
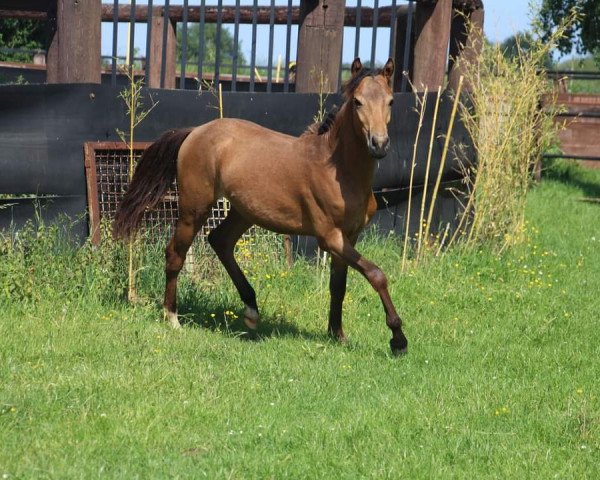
x: 223, y: 239
x: 188, y: 224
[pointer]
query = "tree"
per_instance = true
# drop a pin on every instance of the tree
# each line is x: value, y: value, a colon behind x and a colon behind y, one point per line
x: 584, y: 35
x: 22, y: 34
x: 210, y: 42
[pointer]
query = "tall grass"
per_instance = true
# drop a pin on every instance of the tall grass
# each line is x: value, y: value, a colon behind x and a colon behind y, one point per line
x: 510, y: 131
x: 136, y: 113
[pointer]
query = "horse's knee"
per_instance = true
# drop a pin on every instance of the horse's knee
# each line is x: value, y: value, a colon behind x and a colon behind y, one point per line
x: 377, y: 279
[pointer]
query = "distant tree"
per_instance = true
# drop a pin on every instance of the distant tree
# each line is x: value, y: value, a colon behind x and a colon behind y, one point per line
x: 210, y: 44
x: 584, y: 36
x: 522, y: 41
x: 25, y: 34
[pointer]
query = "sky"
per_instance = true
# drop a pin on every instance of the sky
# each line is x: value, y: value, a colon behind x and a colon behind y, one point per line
x: 503, y: 18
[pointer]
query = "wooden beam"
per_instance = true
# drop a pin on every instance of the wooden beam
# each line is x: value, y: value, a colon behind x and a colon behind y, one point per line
x: 74, y: 52
x: 228, y: 13
x: 432, y: 32
x: 319, y: 45
x: 466, y: 41
x: 156, y: 50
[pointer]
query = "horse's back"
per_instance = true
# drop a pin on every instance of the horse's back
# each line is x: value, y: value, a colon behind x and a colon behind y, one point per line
x: 264, y: 173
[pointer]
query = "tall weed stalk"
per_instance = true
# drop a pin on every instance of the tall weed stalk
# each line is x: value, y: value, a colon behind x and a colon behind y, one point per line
x: 132, y: 97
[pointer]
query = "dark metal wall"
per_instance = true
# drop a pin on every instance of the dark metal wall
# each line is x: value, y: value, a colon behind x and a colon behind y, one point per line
x: 43, y: 128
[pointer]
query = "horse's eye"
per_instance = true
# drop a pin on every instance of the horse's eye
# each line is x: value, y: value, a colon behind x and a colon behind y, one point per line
x: 357, y: 103
x: 391, y: 102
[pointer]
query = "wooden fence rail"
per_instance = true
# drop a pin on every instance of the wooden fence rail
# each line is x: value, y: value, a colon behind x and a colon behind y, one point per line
x: 421, y: 34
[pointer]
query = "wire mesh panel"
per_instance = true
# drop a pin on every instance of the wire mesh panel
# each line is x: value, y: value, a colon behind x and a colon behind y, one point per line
x: 107, y: 176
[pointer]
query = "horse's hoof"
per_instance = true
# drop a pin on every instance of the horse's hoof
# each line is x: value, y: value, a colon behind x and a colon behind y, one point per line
x: 173, y: 320
x: 399, y: 347
x: 251, y: 324
x: 251, y: 318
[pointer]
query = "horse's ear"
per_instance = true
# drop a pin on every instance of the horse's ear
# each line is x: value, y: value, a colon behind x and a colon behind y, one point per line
x: 388, y: 70
x: 356, y: 66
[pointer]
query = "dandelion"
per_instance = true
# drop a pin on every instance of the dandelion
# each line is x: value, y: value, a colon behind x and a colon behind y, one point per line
x: 579, y: 391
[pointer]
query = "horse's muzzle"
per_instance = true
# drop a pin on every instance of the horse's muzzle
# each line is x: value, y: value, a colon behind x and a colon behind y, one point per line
x: 379, y: 145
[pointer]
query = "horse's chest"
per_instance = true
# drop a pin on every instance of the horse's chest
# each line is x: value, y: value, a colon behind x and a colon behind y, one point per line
x: 357, y: 214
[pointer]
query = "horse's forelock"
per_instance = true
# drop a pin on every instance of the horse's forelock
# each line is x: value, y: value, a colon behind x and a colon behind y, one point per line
x: 351, y: 85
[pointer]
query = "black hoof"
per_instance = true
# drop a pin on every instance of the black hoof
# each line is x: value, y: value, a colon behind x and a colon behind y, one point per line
x: 399, y: 347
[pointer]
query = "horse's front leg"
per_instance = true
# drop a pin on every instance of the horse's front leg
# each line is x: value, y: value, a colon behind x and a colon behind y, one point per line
x: 339, y: 245
x: 337, y: 291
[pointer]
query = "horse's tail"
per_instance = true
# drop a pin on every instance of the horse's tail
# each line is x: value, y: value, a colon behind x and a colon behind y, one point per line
x: 154, y: 174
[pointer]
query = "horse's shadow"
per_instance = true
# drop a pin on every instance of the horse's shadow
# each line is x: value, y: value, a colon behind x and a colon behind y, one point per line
x: 199, y: 311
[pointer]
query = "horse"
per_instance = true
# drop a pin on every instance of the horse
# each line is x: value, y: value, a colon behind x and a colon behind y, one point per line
x: 318, y: 184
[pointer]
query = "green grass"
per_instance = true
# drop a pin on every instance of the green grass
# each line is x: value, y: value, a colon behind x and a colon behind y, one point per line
x: 501, y: 378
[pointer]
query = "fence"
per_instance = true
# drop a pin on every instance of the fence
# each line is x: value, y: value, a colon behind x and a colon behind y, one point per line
x: 310, y: 36
x: 578, y: 100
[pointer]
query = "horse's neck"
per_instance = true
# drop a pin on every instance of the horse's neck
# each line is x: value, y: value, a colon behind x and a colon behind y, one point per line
x: 349, y: 151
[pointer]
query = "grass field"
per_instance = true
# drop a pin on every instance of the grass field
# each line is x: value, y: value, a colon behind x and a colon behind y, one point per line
x: 501, y: 378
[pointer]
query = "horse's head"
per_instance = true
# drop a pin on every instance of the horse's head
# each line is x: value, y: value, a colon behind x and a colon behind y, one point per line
x: 371, y: 102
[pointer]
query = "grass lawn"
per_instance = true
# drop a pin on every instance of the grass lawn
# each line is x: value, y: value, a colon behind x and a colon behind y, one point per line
x: 501, y: 378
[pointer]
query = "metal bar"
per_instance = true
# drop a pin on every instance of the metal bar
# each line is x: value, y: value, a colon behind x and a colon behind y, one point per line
x: 593, y: 75
x: 579, y: 114
x: 572, y: 157
x: 113, y: 74
x: 358, y: 20
x: 148, y: 47
x: 393, y: 28
x: 236, y: 43
x: 374, y: 32
x: 184, y: 41
x: 407, y: 45
x: 288, y: 45
x: 201, y: 35
x: 253, y: 50
x: 163, y: 63
x: 271, y: 41
x: 218, y: 43
x: 131, y: 38
x: 339, y: 79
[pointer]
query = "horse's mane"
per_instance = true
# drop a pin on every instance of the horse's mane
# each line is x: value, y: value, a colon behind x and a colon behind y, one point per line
x: 348, y: 89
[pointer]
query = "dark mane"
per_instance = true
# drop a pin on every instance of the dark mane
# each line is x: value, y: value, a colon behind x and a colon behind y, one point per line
x: 321, y: 128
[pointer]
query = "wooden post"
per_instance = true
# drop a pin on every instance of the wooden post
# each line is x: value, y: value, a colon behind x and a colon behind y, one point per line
x: 319, y: 45
x: 74, y: 52
x: 432, y: 33
x: 156, y: 53
x: 402, y: 31
x: 466, y: 42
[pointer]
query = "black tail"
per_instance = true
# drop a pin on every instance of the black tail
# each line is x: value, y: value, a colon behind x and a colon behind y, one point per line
x: 153, y: 176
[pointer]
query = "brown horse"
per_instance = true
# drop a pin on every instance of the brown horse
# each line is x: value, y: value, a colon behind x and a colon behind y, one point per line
x: 318, y: 184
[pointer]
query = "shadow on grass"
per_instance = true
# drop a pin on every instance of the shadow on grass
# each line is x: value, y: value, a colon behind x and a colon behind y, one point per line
x: 569, y: 172
x: 200, y: 311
